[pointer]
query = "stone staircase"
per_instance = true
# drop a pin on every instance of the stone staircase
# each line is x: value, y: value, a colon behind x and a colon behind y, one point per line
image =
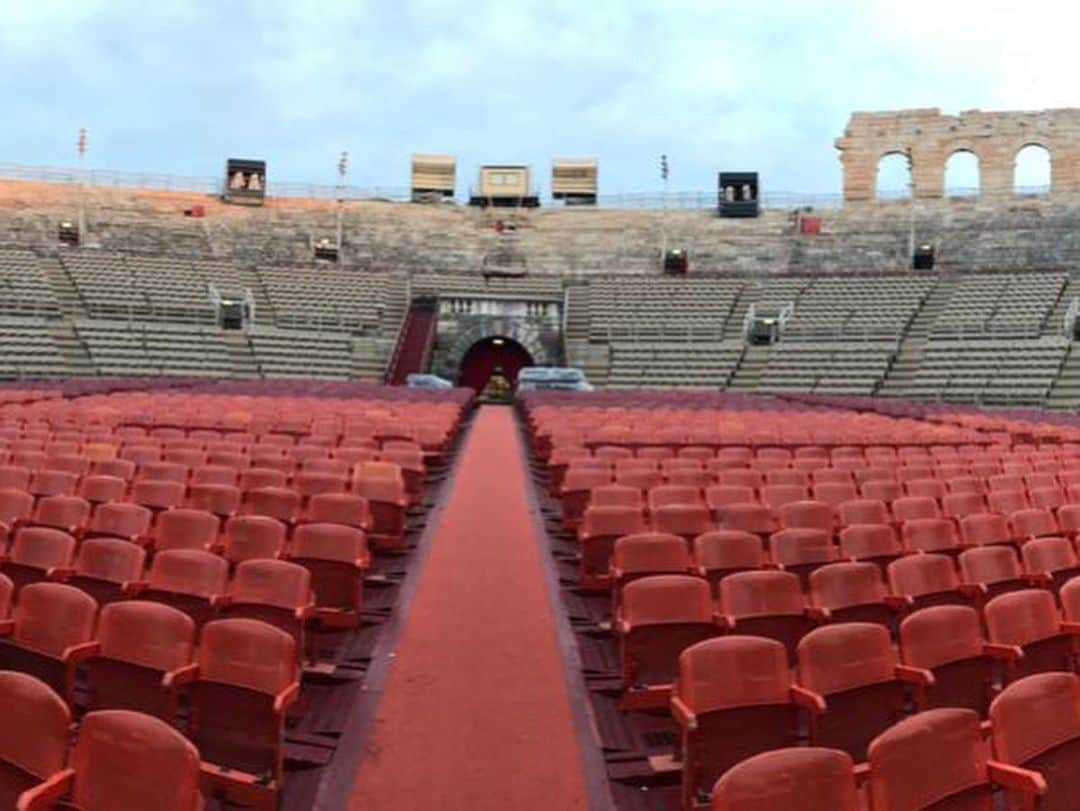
x: 748, y: 372
x: 72, y: 304
x: 1065, y: 393
x: 913, y: 345
x: 245, y: 365
x: 72, y: 349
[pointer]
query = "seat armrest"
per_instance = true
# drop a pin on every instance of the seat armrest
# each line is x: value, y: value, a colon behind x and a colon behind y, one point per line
x: 44, y: 796
x: 134, y: 587
x: 684, y: 716
x: 1071, y: 628
x: 810, y: 701
x: 819, y: 615
x: 60, y: 573
x: 285, y: 699
x: 915, y: 675
x: 899, y: 602
x: 180, y: 677
x: 1008, y: 776
x: 1007, y: 653
x: 7, y: 627
x: 81, y: 652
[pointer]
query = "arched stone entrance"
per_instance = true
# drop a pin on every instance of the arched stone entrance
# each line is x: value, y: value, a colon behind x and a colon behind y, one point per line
x: 489, y: 355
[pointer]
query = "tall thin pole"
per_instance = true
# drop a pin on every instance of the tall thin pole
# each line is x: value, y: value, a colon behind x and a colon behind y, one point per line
x: 81, y: 145
x: 911, y: 202
x: 664, y: 174
x: 343, y: 170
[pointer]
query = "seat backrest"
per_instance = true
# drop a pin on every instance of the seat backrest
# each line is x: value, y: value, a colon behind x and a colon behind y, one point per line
x: 1035, y: 714
x: 887, y: 490
x: 1070, y: 600
x: 989, y: 564
x: 806, y: 778
x: 861, y: 541
x: 110, y: 559
x: 748, y: 517
x: 604, y: 521
x: 835, y: 658
x: 740, y: 477
x: 650, y: 552
x: 1033, y: 523
x: 1048, y: 555
x: 158, y: 494
x: 666, y: 599
x: 62, y: 511
x: 840, y: 585
x: 146, y: 633
x: 253, y: 536
x: 127, y: 761
x: 728, y: 548
x: 939, y: 635
x: 799, y: 545
x: 764, y: 593
x: 806, y: 514
x: 733, y: 671
x: 985, y: 528
x: 271, y: 582
x: 927, y: 758
x: 43, y: 548
x: 52, y: 617
x: 340, y: 508
x: 777, y: 495
x: 916, y: 575
x: 911, y: 508
x: 325, y: 541
x: 682, y: 519
x: 7, y: 591
x: 15, y: 505
x: 121, y: 519
x: 667, y: 494
x: 186, y: 528
x: 862, y: 511
x: 100, y: 489
x: 189, y: 571
x: 930, y: 488
x: 247, y: 653
x: 29, y: 705
x: 1021, y: 617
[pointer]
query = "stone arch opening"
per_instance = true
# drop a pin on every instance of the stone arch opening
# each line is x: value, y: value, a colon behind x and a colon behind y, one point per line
x: 894, y: 176
x: 962, y: 174
x: 1032, y: 170
x: 494, y: 354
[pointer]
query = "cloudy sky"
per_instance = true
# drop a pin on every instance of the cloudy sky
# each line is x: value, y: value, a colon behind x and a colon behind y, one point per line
x: 177, y: 86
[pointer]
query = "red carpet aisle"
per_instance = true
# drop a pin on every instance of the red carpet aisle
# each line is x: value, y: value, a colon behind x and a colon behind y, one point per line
x: 476, y: 714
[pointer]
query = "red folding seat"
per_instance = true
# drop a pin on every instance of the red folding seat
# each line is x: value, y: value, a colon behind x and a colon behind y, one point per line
x: 188, y: 580
x: 1005, y: 482
x: 642, y: 479
x: 732, y: 699
x: 666, y: 494
x: 616, y: 495
x: 765, y: 603
x: 7, y: 596
x: 872, y: 543
x: 157, y: 495
x: 936, y: 760
x: 965, y: 484
x: 121, y: 468
x: 117, y: 519
x: 655, y: 453
x: 141, y: 454
x: 337, y: 558
x: 576, y: 489
x: 874, y: 474
x: 53, y: 483
x: 413, y: 471
x: 909, y: 473
x: 334, y: 467
x: 1046, y: 498
x: 862, y: 511
x: 698, y: 479
x: 599, y: 530
x: 685, y: 520
x: 188, y: 457
x: 993, y: 570
x: 222, y: 500
x: 786, y: 477
x: 645, y: 554
x: 985, y: 469
x: 658, y: 618
x: 926, y: 488
x: 1026, y: 628
x: 856, y: 685
x: 945, y: 642
x: 339, y: 508
x: 29, y: 762
x: 49, y: 635
x: 144, y: 659
x: 31, y: 460
x: 250, y: 537
x: 923, y: 580
x: 124, y: 761
x: 68, y: 513
x: 735, y: 454
x: 1035, y: 725
x: 912, y: 508
x: 718, y: 496
x: 887, y: 490
x: 101, y: 489
x: 930, y: 535
x: 16, y: 507
x: 850, y: 592
x: 959, y: 505
x: 186, y: 528
x: 985, y: 529
x: 831, y: 475
x: 806, y: 515
x: 1053, y: 560
x: 774, y: 496
x: 247, y: 680
x: 36, y: 554
x: 385, y: 493
x: 1028, y: 524
x: 282, y: 503
x: 718, y: 553
x: 234, y: 459
x: 1068, y: 516
x: 1069, y: 477
x: 1007, y: 502
x: 740, y: 477
x: 273, y: 591
x: 699, y: 452
x: 106, y: 568
x: 779, y: 780
x: 311, y: 484
x: 253, y: 478
x: 73, y: 463
x: 613, y: 453
x: 802, y: 550
x: 1040, y: 481
x: 213, y: 474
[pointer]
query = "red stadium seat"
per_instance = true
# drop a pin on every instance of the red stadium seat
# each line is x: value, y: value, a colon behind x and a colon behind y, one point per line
x: 850, y: 592
x: 645, y: 554
x: 930, y: 535
x: 925, y: 580
x: 718, y: 553
x: 685, y: 520
x: 801, y: 551
x: 185, y: 528
x: 946, y: 642
x: 36, y: 554
x: 105, y: 568
x: 985, y: 529
x: 29, y: 761
x: 913, y: 508
x: 188, y: 580
x: 993, y: 570
x: 276, y: 592
x: 1026, y: 626
x: 117, y: 519
x: 251, y: 537
x: 807, y: 515
x: 862, y: 511
x: 68, y: 513
x: 337, y: 557
x: 102, y: 489
x: 806, y: 778
x: 158, y: 495
x: 765, y: 603
x: 1054, y: 560
x: 599, y: 530
x: 223, y: 500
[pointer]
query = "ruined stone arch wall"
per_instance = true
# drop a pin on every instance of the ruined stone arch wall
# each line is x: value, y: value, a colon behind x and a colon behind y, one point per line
x: 929, y: 138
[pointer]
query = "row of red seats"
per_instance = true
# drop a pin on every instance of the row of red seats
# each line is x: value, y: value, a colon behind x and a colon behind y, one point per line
x: 935, y: 760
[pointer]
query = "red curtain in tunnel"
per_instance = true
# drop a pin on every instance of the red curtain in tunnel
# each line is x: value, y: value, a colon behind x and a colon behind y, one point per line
x: 482, y: 358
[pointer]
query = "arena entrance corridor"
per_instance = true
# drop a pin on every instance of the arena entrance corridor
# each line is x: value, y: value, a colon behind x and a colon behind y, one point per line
x: 485, y: 357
